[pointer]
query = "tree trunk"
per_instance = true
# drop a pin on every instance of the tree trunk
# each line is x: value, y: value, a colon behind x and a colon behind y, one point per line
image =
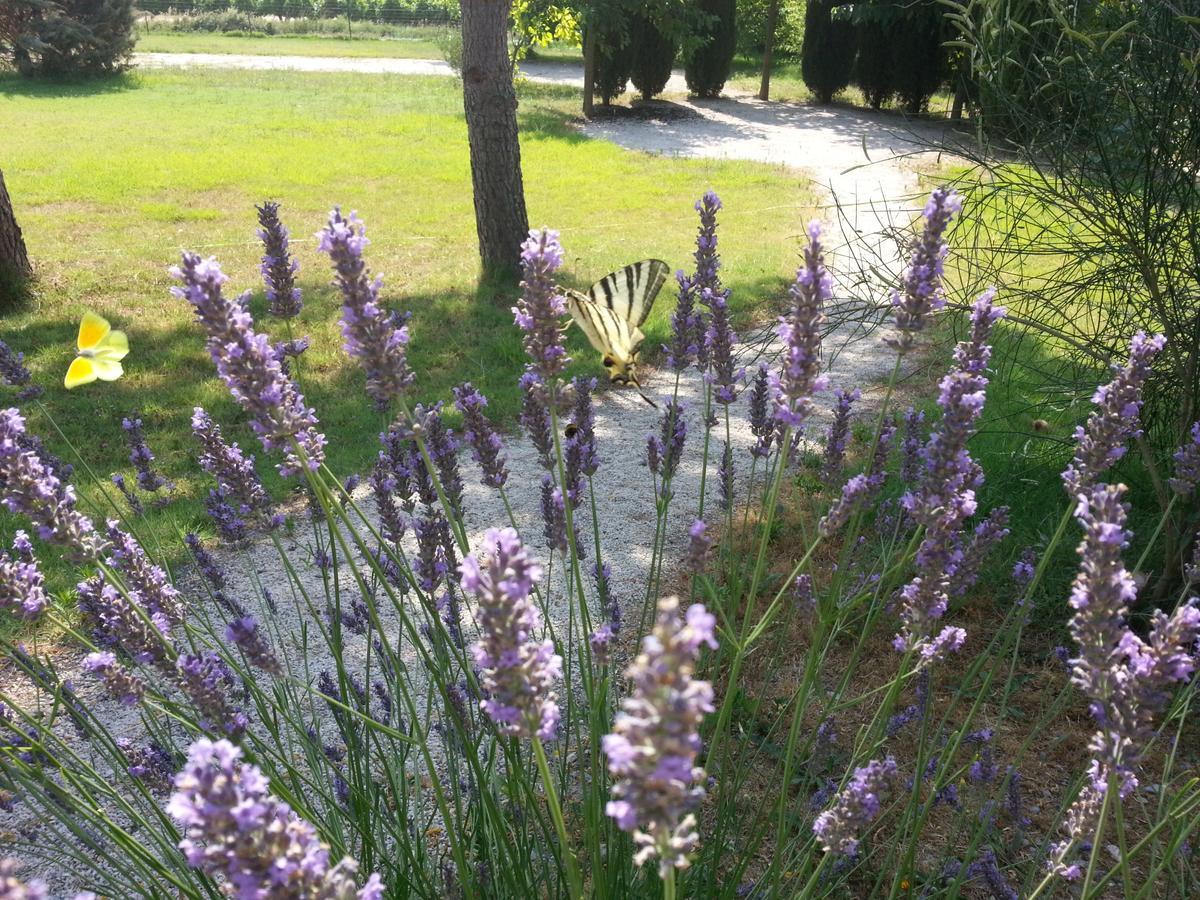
x: 14, y: 259
x: 490, y: 102
x: 589, y: 71
x: 764, y: 90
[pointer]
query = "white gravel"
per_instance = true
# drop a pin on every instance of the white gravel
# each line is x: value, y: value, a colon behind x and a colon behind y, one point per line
x: 832, y: 145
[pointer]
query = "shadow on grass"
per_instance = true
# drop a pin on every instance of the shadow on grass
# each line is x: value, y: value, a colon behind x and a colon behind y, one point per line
x: 14, y: 85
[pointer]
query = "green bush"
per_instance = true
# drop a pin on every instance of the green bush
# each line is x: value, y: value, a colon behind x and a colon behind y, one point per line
x: 875, y: 26
x: 707, y: 67
x: 613, y: 64
x: 67, y: 37
x: 919, y: 62
x: 827, y: 54
x: 651, y: 54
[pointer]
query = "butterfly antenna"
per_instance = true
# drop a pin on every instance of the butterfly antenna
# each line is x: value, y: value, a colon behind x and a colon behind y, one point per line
x: 642, y: 394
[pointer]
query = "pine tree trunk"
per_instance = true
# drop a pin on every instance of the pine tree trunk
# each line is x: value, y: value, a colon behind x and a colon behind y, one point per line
x: 589, y: 72
x: 764, y: 90
x: 490, y: 101
x: 14, y: 259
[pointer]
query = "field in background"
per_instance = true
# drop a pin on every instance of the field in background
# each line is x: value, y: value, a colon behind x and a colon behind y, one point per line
x: 186, y: 155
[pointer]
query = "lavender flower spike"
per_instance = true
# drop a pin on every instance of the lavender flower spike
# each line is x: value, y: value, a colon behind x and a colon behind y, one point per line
x: 233, y: 469
x: 370, y: 331
x: 1187, y: 464
x: 141, y: 457
x: 22, y: 587
x: 486, y: 447
x: 245, y: 633
x: 29, y: 487
x: 120, y: 682
x: 278, y: 267
x: 800, y: 332
x: 542, y: 305
x: 655, y: 741
x: 519, y: 672
x: 855, y: 807
x: 838, y: 434
x: 687, y: 327
x: 1126, y: 678
x: 249, y: 366
x: 12, y: 888
x: 762, y: 423
x: 923, y: 279
x: 234, y: 828
x: 708, y: 262
x: 719, y: 340
x: 14, y: 373
x: 1101, y: 441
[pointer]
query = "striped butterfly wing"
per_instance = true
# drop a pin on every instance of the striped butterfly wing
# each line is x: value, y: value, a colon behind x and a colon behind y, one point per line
x: 607, y: 332
x: 630, y: 292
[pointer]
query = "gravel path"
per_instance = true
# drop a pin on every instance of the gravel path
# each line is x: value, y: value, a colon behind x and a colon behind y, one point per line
x: 860, y: 159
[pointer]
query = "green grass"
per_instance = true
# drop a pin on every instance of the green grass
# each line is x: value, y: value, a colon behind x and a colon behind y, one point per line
x: 419, y: 46
x: 111, y: 180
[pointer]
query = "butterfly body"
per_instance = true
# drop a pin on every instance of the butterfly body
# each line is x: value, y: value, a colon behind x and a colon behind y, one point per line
x: 100, y: 351
x: 611, y: 314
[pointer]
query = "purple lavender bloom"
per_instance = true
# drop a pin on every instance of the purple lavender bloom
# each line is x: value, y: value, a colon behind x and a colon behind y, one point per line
x: 535, y: 418
x: 135, y: 504
x: 206, y: 680
x: 442, y: 447
x: 1012, y: 802
x: 519, y: 671
x: 230, y: 526
x: 855, y: 807
x: 986, y: 869
x: 699, y: 545
x: 278, y: 267
x: 554, y: 516
x: 248, y: 365
x: 145, y: 581
x: 1024, y: 568
x: 725, y: 477
x: 29, y: 487
x: 22, y: 587
x: 12, y: 888
x: 762, y: 424
x: 988, y: 533
x: 583, y: 420
x: 369, y: 330
x: 911, y: 446
x: 141, y: 457
x: 540, y: 310
x: 14, y: 373
x: 235, y: 829
x: 245, y: 633
x: 838, y: 434
x: 800, y: 332
x: 687, y: 327
x: 945, y: 497
x: 1187, y: 464
x: 22, y: 546
x: 719, y: 339
x: 232, y: 468
x: 122, y: 684
x: 655, y: 740
x: 861, y: 489
x: 486, y: 447
x: 803, y: 595
x: 1101, y: 441
x: 392, y: 522
x: 708, y: 261
x: 153, y: 765
x: 601, y: 641
x: 665, y: 450
x: 431, y: 566
x: 923, y: 279
x: 118, y: 624
x: 1127, y: 679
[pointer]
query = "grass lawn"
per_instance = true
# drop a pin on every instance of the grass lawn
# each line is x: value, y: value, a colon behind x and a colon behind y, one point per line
x: 111, y: 180
x: 420, y: 45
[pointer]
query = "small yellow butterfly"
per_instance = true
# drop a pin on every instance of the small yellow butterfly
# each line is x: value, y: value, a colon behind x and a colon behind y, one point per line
x: 100, y: 353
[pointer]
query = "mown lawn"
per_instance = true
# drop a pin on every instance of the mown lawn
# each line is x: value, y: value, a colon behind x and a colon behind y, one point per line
x: 111, y: 180
x: 420, y: 45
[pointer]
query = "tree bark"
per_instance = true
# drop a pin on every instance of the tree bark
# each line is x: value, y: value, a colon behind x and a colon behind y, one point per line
x: 589, y: 71
x: 14, y: 259
x: 490, y: 102
x: 764, y: 89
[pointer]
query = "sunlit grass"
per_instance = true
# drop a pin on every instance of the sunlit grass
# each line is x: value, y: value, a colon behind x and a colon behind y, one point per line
x: 420, y: 46
x: 111, y: 180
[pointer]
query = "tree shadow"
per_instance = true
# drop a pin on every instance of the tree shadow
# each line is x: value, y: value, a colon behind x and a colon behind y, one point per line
x: 14, y: 85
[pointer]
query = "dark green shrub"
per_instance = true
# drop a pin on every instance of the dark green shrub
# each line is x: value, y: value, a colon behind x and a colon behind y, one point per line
x: 651, y: 54
x: 876, y: 25
x: 827, y: 54
x: 67, y: 37
x: 613, y: 64
x: 919, y: 62
x: 707, y: 67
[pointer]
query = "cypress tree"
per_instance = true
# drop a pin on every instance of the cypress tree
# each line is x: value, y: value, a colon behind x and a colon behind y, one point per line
x: 876, y: 26
x: 613, y: 64
x: 652, y: 54
x: 827, y: 54
x: 707, y: 67
x: 920, y: 63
